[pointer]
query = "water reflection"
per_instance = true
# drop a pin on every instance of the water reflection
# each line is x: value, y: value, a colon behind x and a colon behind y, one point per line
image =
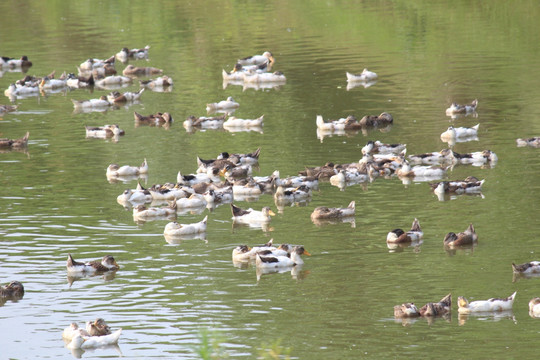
x: 178, y: 239
x: 490, y: 316
x: 73, y: 277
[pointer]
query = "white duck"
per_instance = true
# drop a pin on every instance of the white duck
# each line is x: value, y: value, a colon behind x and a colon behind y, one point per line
x: 176, y: 229
x: 126, y: 170
x: 460, y: 132
x: 251, y: 216
x: 534, y: 307
x: 279, y: 261
x: 266, y: 57
x: 233, y: 122
x: 490, y: 305
x: 228, y: 104
x: 81, y: 341
x: 364, y: 76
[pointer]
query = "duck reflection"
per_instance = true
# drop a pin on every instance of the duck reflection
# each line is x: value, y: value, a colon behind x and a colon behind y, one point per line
x: 489, y: 316
x: 178, y: 239
x: 78, y: 352
x: 73, y: 277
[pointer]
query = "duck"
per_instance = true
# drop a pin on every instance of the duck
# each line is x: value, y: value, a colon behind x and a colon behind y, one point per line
x: 462, y: 109
x: 239, y: 71
x: 192, y: 179
x: 440, y: 157
x: 377, y: 147
x: 107, y: 263
x: 52, y: 84
x: 490, y: 305
x: 98, y: 327
x: 193, y: 201
x: 138, y: 195
x: 384, y: 119
x: 241, y: 253
x: 157, y: 119
x: 531, y: 267
x: 21, y: 90
x: 265, y: 77
x: 271, y: 261
x: 344, y: 177
x: 408, y: 310
x: 160, y: 82
x: 533, y: 142
x: 116, y: 97
x: 176, y: 229
x: 399, y: 236
x: 420, y: 171
x: 100, y: 103
x: 142, y: 212
x: 323, y: 212
x: 81, y: 341
x: 251, y: 158
x: 12, y: 63
x: 477, y: 157
x: 471, y: 185
x: 228, y: 104
x: 233, y: 122
x: 236, y: 171
x: 74, y: 81
x: 219, y: 196
x: 467, y: 237
x: 214, y: 122
x: 534, y: 307
x: 72, y: 330
x: 244, y: 253
x: 132, y: 70
x: 292, y: 195
x: 169, y: 191
x: 98, y: 73
x: 246, y: 187
x: 251, y: 216
x: 266, y: 57
x: 15, y: 143
x: 348, y: 123
x: 91, y: 63
x: 7, y: 108
x: 13, y: 290
x: 137, y: 54
x: 364, y: 76
x: 126, y: 170
x: 460, y: 132
x: 113, y: 80
x: 102, y: 132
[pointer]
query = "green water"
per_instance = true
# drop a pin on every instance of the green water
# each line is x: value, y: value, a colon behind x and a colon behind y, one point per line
x: 55, y: 198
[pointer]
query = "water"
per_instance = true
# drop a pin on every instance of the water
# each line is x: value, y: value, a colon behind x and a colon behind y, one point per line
x: 55, y: 198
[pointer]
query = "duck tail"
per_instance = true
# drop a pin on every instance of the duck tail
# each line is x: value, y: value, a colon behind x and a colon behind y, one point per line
x: 447, y: 300
x: 352, y: 205
x: 137, y: 116
x: 416, y: 225
x: 320, y: 121
x: 475, y: 127
x: 256, y: 153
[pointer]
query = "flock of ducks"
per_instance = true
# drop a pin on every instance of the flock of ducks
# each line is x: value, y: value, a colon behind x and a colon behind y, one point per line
x: 229, y: 177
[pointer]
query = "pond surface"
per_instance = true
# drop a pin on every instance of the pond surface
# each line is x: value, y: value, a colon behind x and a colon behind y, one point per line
x: 55, y: 198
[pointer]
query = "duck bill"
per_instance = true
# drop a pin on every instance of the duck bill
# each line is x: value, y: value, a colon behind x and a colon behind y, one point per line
x: 271, y: 213
x: 306, y: 253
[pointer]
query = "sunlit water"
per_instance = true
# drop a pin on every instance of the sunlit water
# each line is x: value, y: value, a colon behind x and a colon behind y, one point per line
x: 56, y: 199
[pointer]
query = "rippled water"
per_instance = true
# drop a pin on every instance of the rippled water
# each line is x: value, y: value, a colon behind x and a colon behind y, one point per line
x: 55, y: 198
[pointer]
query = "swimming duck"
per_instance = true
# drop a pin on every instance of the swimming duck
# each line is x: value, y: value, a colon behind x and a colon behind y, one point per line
x: 219, y: 196
x: 137, y: 54
x: 214, y: 122
x: 228, y: 104
x: 292, y: 195
x: 131, y: 70
x: 193, y: 201
x: 251, y: 216
x: 97, y: 266
x: 176, y: 229
x: 102, y: 132
x: 533, y: 142
x: 462, y: 109
x: 275, y: 261
x: 79, y: 81
x: 377, y: 147
x: 160, y: 82
x: 21, y: 90
x: 249, y: 158
x: 81, y: 341
x: 239, y: 71
x: 490, y: 305
x: 430, y: 309
x: 265, y: 77
x: 138, y: 195
x: 169, y: 192
x: 113, y: 80
x: 142, y: 212
x: 192, y: 179
x: 467, y: 237
x: 116, y: 97
x: 7, y: 108
x: 100, y: 103
x: 384, y: 119
x: 460, y: 132
x: 157, y: 119
x: 534, y: 307
x: 470, y: 185
x: 348, y: 123
x: 51, y: 84
x: 532, y: 267
x: 13, y: 290
x: 96, y: 63
x: 266, y: 57
x: 323, y: 212
x: 399, y: 236
x: 246, y: 187
x: 72, y: 330
x: 420, y: 171
x: 364, y: 76
x: 98, y: 327
x: 352, y: 176
x: 236, y: 171
x: 15, y: 143
x: 98, y: 73
x: 233, y: 122
x: 115, y: 170
x: 441, y: 157
x: 12, y: 63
